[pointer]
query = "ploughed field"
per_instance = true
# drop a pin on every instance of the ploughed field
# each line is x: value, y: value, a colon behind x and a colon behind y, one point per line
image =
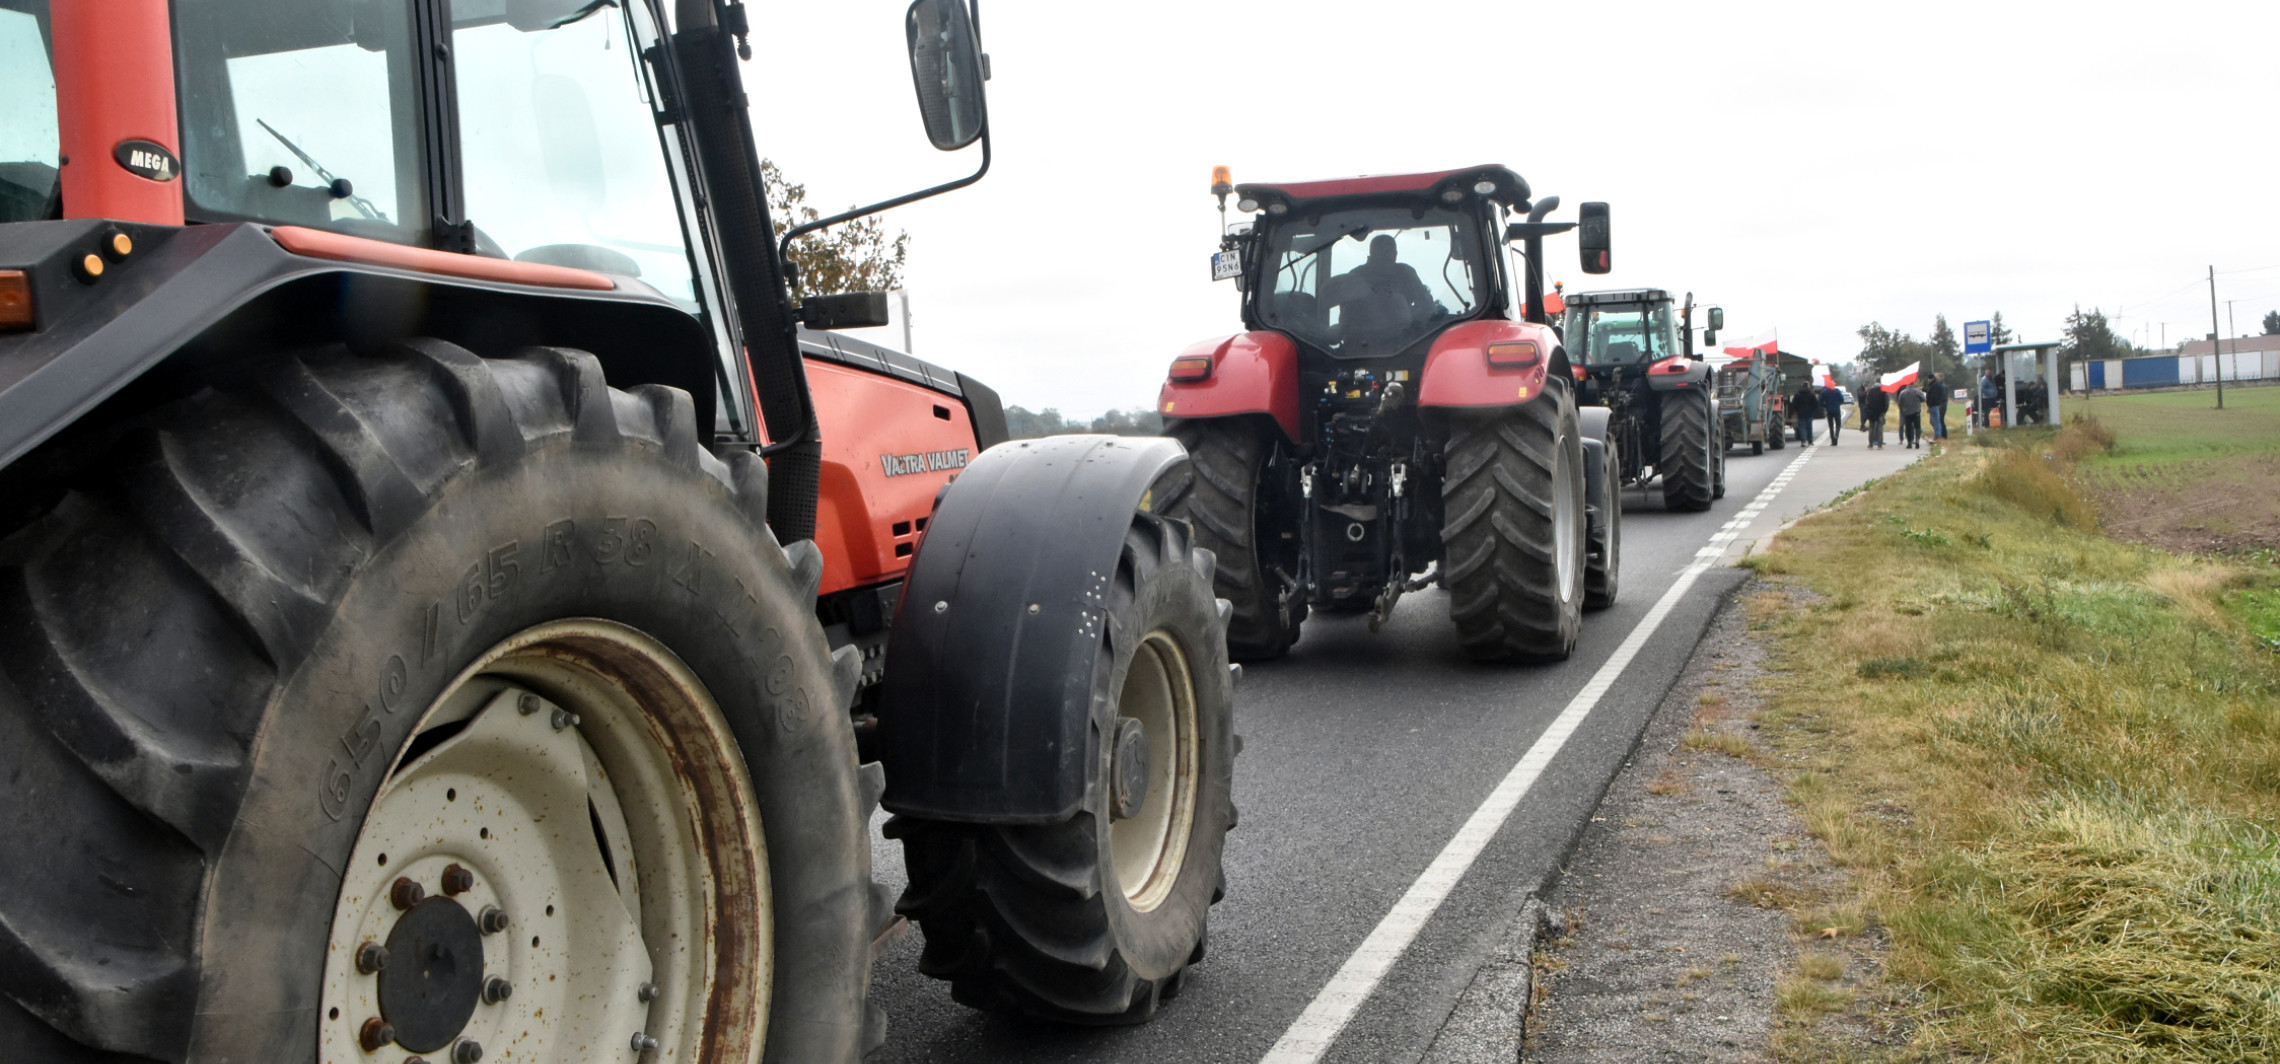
x: 2184, y: 475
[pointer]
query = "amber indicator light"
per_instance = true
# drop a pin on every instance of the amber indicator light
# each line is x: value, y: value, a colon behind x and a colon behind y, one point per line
x: 89, y: 267
x: 15, y: 301
x: 1191, y: 368
x: 118, y: 245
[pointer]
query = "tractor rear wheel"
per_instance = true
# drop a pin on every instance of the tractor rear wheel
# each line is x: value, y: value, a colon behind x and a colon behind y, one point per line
x: 1603, y: 567
x: 1094, y: 920
x: 1513, y: 529
x: 1236, y: 490
x: 1718, y: 467
x: 1688, y: 460
x: 476, y: 664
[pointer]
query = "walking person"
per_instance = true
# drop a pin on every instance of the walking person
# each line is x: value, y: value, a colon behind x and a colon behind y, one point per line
x: 1806, y: 406
x: 1874, y: 404
x: 1833, y: 409
x: 1911, y: 400
x: 1936, y: 401
x: 1990, y: 396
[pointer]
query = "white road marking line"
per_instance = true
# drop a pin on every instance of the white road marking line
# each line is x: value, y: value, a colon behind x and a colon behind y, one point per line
x: 1309, y: 1036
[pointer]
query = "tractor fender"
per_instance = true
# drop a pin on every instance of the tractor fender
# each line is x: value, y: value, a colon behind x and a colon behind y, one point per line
x: 1457, y: 372
x: 218, y: 292
x: 1679, y: 374
x: 985, y: 709
x: 1591, y: 422
x: 1251, y: 373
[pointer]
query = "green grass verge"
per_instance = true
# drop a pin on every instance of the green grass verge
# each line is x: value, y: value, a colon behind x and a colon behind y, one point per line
x: 2051, y: 759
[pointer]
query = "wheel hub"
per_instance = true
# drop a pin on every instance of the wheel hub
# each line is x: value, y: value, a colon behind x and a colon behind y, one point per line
x: 434, y: 978
x: 1130, y: 774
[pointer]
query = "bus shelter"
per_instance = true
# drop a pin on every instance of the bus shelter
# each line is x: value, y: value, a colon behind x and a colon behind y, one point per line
x: 2029, y: 378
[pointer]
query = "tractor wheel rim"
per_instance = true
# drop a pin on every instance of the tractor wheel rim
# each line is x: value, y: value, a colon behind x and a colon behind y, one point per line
x: 1149, y: 847
x: 1566, y: 517
x: 589, y: 849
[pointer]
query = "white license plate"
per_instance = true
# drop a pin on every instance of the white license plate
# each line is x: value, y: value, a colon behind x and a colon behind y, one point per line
x: 1226, y: 264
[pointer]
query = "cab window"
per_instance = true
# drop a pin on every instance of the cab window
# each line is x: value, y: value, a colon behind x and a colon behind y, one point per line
x: 29, y: 152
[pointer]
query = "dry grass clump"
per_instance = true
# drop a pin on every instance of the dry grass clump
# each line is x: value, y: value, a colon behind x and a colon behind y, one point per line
x: 2055, y: 774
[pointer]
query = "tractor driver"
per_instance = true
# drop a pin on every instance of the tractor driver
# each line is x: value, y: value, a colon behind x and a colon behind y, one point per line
x: 1382, y: 297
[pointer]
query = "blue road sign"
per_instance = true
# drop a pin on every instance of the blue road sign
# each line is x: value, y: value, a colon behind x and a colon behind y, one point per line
x: 1975, y: 337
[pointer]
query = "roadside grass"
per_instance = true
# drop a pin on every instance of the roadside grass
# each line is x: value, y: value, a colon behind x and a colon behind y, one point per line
x: 2050, y: 759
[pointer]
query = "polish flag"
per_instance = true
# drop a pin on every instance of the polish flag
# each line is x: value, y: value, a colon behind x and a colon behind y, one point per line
x: 1822, y: 378
x: 1763, y: 343
x: 1899, y: 378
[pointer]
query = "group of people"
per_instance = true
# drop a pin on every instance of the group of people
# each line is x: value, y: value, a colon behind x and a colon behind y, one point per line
x: 1827, y: 403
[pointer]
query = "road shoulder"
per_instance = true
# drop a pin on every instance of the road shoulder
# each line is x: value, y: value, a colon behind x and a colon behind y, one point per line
x: 1686, y: 926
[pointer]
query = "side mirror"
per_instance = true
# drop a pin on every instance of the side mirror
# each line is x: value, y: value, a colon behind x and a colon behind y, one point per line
x: 1591, y: 237
x: 847, y: 310
x: 947, y: 65
x: 1717, y: 318
x: 1710, y: 335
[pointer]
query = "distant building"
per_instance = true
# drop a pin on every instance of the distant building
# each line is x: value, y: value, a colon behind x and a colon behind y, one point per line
x: 2243, y: 360
x: 2229, y: 345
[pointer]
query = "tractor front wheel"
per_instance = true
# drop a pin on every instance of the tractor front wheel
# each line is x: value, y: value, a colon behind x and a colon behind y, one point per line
x: 1094, y: 920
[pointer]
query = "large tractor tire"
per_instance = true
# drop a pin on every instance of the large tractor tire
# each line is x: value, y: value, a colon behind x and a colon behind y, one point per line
x: 1689, y: 458
x: 1718, y: 468
x: 1777, y: 432
x: 1513, y: 529
x: 372, y: 707
x: 1232, y: 490
x: 1095, y: 920
x: 1603, y: 557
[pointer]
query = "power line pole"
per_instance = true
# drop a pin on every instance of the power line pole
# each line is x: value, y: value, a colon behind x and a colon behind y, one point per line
x: 2213, y: 336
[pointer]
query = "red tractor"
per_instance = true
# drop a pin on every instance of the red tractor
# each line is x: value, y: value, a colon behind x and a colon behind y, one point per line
x: 448, y: 607
x: 1399, y: 407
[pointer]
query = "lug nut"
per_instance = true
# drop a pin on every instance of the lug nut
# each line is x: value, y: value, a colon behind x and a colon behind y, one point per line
x: 468, y: 1051
x: 375, y: 1033
x: 406, y: 893
x: 371, y: 957
x: 563, y: 718
x: 496, y: 990
x: 458, y: 880
x: 642, y: 1042
x: 527, y: 703
x: 493, y: 920
x: 647, y: 993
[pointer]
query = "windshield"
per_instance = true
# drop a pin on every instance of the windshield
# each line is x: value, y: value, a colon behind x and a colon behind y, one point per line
x: 1621, y: 333
x: 303, y: 114
x: 1370, y: 281
x: 28, y: 145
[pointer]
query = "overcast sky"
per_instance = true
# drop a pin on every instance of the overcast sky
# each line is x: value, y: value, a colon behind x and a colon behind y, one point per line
x: 1809, y: 166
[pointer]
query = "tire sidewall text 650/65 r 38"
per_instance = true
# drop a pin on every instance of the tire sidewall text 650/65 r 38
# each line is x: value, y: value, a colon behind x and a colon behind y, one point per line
x: 222, y: 643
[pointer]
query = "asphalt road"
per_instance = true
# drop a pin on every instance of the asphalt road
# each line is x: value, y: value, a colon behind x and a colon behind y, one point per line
x: 1363, y: 755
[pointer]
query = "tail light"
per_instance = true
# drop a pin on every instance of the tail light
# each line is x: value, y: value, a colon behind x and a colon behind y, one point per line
x: 15, y: 301
x: 1187, y: 369
x: 1515, y: 354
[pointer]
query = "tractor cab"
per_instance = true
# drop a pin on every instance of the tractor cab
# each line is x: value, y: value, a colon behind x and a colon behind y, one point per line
x: 1622, y: 328
x: 1375, y: 267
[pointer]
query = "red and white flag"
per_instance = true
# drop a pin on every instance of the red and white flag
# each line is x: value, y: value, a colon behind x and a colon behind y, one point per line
x: 1899, y: 378
x: 1765, y: 343
x: 1822, y: 377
